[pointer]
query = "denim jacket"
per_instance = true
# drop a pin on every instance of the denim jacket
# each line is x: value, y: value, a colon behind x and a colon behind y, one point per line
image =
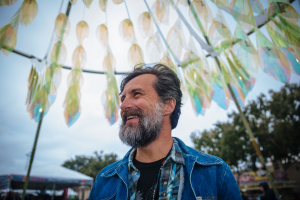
x: 206, y: 177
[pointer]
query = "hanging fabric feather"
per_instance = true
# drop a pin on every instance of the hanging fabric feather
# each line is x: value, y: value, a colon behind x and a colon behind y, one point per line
x: 8, y: 35
x: 257, y: 7
x: 102, y: 4
x: 174, y: 42
x: 243, y: 50
x: 154, y: 48
x: 241, y: 11
x: 272, y: 61
x: 73, y: 2
x: 135, y: 55
x: 145, y: 24
x: 28, y: 12
x: 200, y: 15
x: 221, y: 3
x: 291, y: 51
x: 102, y: 35
x: 58, y: 53
x: 117, y: 1
x: 126, y: 31
x: 286, y: 18
x: 7, y: 2
x: 219, y: 35
x: 87, y: 3
x: 221, y: 94
x: 82, y: 31
x: 62, y: 26
x: 160, y: 12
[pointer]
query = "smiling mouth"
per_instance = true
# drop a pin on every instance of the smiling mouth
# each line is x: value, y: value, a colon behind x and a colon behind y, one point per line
x: 131, y: 117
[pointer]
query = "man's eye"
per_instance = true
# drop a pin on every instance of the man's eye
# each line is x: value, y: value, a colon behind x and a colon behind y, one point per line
x: 137, y: 93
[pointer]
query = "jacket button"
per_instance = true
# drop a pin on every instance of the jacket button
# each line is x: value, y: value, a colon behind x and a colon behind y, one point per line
x: 165, y: 183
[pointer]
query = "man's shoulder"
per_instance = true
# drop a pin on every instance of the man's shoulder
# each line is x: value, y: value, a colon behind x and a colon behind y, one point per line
x: 200, y: 157
x: 110, y: 169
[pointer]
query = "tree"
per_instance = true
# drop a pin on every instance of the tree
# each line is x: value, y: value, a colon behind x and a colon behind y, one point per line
x: 90, y: 166
x: 275, y: 124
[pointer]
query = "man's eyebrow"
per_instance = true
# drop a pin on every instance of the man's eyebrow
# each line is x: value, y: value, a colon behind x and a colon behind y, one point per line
x: 132, y: 91
x: 137, y: 90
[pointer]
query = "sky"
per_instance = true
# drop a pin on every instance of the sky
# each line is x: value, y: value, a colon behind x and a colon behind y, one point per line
x: 91, y: 132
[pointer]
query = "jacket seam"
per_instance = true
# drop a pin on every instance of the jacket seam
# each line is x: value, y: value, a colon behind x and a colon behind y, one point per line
x: 222, y: 180
x: 191, y: 178
x: 109, y: 170
x: 125, y: 184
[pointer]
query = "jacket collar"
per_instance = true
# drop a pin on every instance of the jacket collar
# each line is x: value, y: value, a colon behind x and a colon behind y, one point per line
x: 190, y: 156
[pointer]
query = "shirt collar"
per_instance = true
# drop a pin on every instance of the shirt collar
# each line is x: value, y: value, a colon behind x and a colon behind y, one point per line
x: 176, y: 155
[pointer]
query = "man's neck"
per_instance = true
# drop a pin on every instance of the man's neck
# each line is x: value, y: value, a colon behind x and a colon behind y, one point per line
x: 157, y: 150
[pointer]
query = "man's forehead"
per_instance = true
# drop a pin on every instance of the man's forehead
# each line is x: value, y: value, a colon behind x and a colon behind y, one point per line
x: 141, y: 82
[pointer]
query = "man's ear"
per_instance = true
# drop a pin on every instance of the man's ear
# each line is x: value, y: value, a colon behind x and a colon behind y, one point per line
x: 170, y: 106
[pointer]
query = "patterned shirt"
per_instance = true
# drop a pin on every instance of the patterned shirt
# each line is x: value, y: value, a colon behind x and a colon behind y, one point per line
x: 171, y: 175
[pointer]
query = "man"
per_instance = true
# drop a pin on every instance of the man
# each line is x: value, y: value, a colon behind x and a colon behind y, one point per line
x: 159, y: 166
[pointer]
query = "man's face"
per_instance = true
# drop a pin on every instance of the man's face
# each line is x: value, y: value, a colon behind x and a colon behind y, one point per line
x: 142, y: 112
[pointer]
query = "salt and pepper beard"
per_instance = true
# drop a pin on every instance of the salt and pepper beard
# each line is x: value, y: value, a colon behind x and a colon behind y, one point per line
x: 147, y: 129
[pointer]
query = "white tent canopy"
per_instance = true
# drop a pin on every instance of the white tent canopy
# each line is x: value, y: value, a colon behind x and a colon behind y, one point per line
x: 43, y: 177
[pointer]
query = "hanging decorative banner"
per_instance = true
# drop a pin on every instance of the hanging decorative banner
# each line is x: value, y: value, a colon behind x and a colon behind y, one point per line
x: 272, y: 61
x: 241, y: 11
x: 243, y: 51
x: 44, y: 82
x: 219, y: 35
x: 200, y: 15
x: 75, y: 78
x: 7, y: 2
x: 8, y: 35
x: 145, y: 24
x: 160, y: 12
x: 29, y: 10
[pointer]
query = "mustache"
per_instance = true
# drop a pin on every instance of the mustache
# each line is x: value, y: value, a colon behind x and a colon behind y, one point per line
x: 137, y: 112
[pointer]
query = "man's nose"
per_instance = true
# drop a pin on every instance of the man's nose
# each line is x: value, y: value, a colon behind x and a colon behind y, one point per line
x: 126, y: 104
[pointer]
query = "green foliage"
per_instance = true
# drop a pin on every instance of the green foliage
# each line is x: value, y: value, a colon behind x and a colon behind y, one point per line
x: 90, y: 166
x: 275, y: 124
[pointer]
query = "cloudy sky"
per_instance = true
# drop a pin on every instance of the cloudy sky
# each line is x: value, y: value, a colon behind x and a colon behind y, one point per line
x: 91, y: 132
